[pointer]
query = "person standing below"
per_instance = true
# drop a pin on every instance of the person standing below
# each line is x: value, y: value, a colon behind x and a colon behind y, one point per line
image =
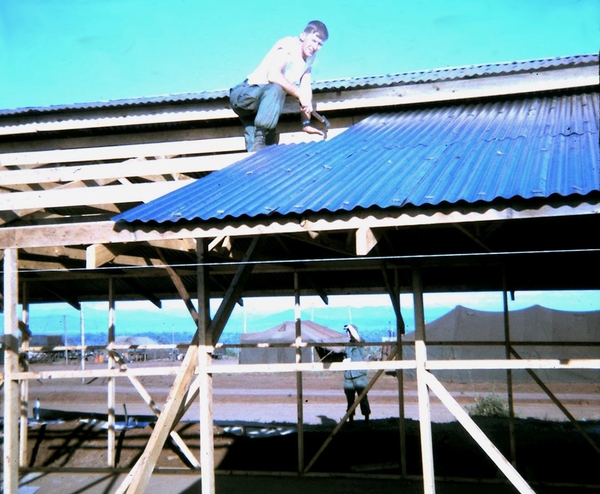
x: 355, y: 381
x: 286, y: 69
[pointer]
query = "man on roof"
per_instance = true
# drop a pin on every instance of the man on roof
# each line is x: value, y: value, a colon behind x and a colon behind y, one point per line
x: 286, y: 69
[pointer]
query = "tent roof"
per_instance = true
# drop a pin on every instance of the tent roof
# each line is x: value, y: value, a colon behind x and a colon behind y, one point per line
x: 286, y: 333
x: 535, y: 323
x: 135, y: 340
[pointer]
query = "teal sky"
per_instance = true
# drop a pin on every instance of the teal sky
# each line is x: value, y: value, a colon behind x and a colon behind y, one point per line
x: 55, y: 52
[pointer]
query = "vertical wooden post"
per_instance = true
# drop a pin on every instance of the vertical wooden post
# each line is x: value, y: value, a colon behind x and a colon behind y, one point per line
x: 422, y: 389
x: 400, y: 330
x: 205, y: 342
x: 299, y: 388
x: 82, y: 332
x: 24, y: 419
x: 509, y: 379
x: 110, y: 459
x: 10, y: 460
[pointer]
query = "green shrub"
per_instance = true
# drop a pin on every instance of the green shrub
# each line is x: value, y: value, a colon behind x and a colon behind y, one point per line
x: 488, y: 406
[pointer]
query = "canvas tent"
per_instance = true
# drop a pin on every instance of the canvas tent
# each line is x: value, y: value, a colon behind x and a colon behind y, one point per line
x: 137, y: 353
x: 533, y: 324
x: 286, y: 333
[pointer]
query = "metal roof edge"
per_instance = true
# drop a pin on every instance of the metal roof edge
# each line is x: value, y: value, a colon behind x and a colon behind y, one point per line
x: 389, y: 80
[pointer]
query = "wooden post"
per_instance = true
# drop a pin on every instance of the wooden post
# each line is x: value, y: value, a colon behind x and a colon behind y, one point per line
x: 299, y: 388
x: 400, y: 330
x: 24, y: 419
x: 10, y: 459
x: 207, y: 454
x: 509, y: 379
x: 111, y: 439
x: 422, y: 389
x: 139, y: 476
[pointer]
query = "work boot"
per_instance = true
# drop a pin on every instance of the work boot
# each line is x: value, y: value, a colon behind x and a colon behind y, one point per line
x: 259, y: 140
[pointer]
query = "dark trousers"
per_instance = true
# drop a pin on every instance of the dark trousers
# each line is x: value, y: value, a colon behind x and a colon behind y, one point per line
x: 259, y: 107
x: 353, y: 388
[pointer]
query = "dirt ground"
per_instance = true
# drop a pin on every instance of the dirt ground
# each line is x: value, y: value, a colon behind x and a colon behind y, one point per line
x: 255, y: 430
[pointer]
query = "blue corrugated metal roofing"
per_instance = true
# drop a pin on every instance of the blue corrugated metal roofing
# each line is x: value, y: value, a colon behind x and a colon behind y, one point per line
x: 526, y: 148
x: 422, y: 76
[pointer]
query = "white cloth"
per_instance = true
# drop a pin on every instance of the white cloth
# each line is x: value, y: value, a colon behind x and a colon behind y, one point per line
x: 295, y: 68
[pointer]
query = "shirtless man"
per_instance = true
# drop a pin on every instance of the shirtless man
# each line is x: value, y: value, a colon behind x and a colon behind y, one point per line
x: 259, y: 100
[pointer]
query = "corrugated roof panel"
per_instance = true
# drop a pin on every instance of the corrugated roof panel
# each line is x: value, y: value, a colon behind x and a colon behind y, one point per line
x: 414, y: 77
x: 527, y: 148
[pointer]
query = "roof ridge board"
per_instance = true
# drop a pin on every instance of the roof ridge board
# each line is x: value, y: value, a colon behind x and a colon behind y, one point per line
x: 320, y: 85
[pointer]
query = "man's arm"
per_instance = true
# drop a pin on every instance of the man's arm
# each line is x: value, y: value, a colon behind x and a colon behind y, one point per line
x: 306, y: 111
x: 276, y: 76
x: 302, y: 93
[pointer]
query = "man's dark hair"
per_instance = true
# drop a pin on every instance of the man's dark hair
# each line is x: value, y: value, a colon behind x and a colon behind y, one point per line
x: 317, y: 27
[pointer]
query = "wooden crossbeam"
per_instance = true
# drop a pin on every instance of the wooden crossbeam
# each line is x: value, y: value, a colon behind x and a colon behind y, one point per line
x: 84, y: 196
x: 128, y: 168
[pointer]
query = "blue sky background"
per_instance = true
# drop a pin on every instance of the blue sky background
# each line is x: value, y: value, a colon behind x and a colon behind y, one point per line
x: 55, y: 52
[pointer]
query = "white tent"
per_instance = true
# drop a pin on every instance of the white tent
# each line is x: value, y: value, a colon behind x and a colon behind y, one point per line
x: 533, y: 324
x: 136, y: 353
x: 285, y: 333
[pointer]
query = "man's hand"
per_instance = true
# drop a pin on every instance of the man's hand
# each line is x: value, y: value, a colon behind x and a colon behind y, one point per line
x: 309, y: 129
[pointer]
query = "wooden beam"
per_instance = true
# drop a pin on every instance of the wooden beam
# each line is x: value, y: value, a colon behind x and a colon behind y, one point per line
x: 128, y: 168
x: 72, y: 301
x: 478, y: 435
x: 394, y: 298
x: 175, y: 437
x: 205, y: 381
x: 139, y: 288
x: 136, y: 151
x: 137, y: 480
x: 459, y: 89
x: 365, y: 240
x: 182, y: 245
x: 111, y: 232
x: 326, y: 100
x: 10, y: 450
x: 97, y: 255
x: 422, y: 390
x: 84, y: 196
x: 233, y: 293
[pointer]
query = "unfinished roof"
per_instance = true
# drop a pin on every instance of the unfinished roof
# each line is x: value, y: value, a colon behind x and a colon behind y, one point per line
x: 499, y: 150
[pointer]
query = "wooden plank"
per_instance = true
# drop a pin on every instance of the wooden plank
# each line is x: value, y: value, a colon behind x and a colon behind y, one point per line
x: 593, y: 364
x: 175, y: 437
x: 326, y: 100
x: 97, y: 255
x: 129, y: 168
x: 478, y: 435
x: 109, y: 232
x: 365, y: 240
x: 137, y: 480
x: 422, y: 391
x: 10, y: 450
x: 207, y: 447
x: 111, y: 387
x: 175, y: 148
x: 459, y: 89
x: 83, y: 196
x: 164, y: 117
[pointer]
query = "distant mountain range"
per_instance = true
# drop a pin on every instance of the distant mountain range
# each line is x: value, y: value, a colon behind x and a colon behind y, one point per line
x: 177, y: 326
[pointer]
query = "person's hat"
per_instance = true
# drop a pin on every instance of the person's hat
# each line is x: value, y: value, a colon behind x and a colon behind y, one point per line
x: 352, y: 330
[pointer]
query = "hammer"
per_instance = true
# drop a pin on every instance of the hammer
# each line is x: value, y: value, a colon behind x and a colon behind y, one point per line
x: 323, y: 120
